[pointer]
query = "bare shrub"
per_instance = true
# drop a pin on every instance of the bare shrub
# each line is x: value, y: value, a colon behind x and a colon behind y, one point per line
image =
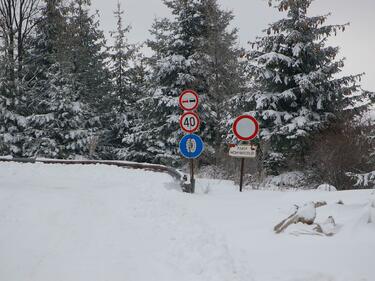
x: 344, y: 147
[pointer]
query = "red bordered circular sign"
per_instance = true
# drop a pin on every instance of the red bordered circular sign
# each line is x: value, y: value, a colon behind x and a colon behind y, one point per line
x: 189, y: 122
x: 245, y: 128
x: 189, y: 100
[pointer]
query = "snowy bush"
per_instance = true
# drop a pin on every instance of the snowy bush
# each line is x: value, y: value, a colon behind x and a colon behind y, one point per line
x: 326, y: 187
x: 363, y: 180
x: 289, y: 180
x: 339, y: 152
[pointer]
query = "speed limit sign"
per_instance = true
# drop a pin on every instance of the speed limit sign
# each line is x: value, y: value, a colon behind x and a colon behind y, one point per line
x: 189, y: 122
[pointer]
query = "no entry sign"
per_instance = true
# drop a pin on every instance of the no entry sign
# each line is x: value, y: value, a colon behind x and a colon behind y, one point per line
x: 246, y: 128
x: 189, y: 100
x: 189, y: 122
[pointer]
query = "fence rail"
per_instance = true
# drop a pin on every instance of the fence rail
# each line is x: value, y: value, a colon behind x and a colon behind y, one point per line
x: 129, y: 165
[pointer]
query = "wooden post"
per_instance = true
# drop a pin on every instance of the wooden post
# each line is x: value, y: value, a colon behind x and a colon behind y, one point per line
x: 192, y: 179
x: 242, y: 172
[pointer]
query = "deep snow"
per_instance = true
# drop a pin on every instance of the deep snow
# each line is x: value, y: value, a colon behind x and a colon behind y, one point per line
x: 94, y: 223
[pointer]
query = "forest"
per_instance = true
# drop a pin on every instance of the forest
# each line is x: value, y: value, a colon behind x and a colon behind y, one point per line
x: 66, y: 93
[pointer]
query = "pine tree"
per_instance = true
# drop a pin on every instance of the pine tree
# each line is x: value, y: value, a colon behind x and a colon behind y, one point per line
x: 89, y: 58
x: 297, y: 91
x: 175, y: 43
x: 88, y: 54
x: 122, y: 110
x: 57, y: 127
x: 60, y: 131
x: 12, y: 121
x: 193, y: 50
x: 221, y: 62
x: 17, y: 23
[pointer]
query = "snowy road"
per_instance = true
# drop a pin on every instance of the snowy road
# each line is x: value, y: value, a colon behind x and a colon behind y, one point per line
x: 106, y: 223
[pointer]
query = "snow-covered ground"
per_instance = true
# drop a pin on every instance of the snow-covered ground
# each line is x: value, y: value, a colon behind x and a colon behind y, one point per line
x: 95, y: 223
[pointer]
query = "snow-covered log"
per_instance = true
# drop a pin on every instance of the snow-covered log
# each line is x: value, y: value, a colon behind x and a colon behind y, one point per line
x: 305, y: 214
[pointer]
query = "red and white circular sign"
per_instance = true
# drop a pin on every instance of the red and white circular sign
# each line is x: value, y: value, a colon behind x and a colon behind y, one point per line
x: 189, y: 100
x: 246, y: 128
x: 189, y: 122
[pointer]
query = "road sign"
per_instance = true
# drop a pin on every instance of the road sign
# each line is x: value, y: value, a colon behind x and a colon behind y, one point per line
x: 243, y: 151
x: 189, y: 122
x: 189, y: 100
x: 191, y: 146
x: 246, y: 128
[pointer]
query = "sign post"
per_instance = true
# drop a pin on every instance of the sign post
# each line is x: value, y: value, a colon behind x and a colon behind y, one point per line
x: 242, y: 172
x: 191, y: 145
x: 192, y: 179
x: 245, y: 128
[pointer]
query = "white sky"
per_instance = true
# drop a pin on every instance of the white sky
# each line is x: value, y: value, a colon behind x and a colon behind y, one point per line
x: 252, y: 16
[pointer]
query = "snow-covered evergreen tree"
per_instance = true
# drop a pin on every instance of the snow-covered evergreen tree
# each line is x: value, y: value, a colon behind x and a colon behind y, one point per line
x: 194, y: 50
x: 173, y: 65
x: 122, y: 109
x: 57, y: 127
x: 225, y: 76
x: 12, y: 121
x: 17, y: 21
x: 88, y: 54
x: 61, y: 130
x: 297, y: 88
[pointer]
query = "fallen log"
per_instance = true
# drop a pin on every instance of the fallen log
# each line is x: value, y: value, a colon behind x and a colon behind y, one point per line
x: 305, y: 214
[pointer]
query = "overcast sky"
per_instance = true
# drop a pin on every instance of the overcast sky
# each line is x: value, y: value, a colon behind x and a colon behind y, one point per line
x: 252, y: 16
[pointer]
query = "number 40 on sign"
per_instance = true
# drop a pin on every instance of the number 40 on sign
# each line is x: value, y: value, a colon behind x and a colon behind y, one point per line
x: 189, y: 122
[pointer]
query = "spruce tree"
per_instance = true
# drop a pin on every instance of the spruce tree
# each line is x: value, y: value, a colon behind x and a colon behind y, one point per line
x: 175, y: 45
x: 57, y: 127
x: 12, y: 123
x: 17, y: 22
x: 88, y: 54
x: 121, y: 103
x: 194, y: 50
x: 61, y: 130
x: 297, y: 90
x: 12, y: 120
x: 224, y: 71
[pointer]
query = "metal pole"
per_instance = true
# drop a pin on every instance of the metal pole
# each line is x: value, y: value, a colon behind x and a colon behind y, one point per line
x: 192, y: 179
x: 242, y: 170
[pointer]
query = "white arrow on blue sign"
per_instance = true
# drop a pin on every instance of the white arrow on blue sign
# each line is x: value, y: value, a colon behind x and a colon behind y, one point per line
x: 191, y: 146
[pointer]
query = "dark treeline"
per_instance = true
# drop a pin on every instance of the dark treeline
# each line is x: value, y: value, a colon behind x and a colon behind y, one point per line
x: 66, y: 93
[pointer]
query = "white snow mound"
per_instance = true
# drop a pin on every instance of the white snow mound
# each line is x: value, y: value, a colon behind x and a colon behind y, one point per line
x: 69, y: 223
x: 326, y: 187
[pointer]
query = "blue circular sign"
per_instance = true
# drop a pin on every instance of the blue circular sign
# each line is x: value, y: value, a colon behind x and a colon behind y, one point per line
x: 191, y: 146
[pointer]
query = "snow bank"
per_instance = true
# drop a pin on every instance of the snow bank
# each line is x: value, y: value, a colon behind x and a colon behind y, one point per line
x: 326, y: 187
x: 60, y: 222
x: 289, y: 180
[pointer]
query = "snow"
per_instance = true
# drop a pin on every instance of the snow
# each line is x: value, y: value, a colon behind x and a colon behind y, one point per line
x: 326, y: 187
x: 288, y: 180
x: 273, y: 57
x: 364, y: 180
x: 307, y: 212
x: 64, y: 222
